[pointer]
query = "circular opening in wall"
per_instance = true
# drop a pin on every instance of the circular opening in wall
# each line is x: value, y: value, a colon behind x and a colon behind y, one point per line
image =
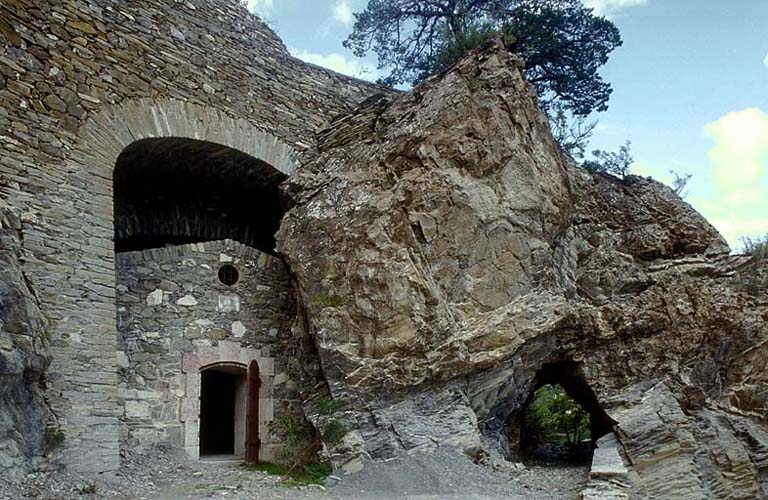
x: 228, y: 274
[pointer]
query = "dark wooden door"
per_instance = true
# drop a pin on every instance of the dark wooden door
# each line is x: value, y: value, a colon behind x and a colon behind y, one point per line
x: 252, y: 441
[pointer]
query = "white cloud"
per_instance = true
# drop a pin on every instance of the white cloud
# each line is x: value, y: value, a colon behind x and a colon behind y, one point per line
x: 740, y: 173
x: 342, y: 13
x: 336, y: 62
x: 608, y: 7
x: 765, y: 61
x: 261, y: 8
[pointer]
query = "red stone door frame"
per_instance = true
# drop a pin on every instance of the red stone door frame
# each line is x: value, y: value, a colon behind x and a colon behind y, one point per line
x: 252, y: 441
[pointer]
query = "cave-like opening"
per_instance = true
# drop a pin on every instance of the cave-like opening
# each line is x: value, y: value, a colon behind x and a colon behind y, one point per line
x: 561, y: 419
x: 173, y: 191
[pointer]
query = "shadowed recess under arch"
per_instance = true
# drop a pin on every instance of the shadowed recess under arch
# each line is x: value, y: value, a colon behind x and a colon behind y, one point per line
x: 172, y: 191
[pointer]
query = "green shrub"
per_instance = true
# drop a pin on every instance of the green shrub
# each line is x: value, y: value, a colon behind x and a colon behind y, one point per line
x: 324, y: 300
x: 54, y: 438
x: 556, y: 418
x: 756, y: 247
x: 293, y: 431
x: 311, y: 473
x: 328, y: 406
x: 270, y: 468
x: 333, y: 432
x: 615, y: 163
x: 299, y: 452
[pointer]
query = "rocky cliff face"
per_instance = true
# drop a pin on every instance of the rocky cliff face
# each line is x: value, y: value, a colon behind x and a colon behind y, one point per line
x: 23, y: 412
x: 449, y: 260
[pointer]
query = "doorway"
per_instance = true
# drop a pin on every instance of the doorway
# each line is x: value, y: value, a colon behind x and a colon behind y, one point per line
x: 221, y: 411
x: 229, y: 412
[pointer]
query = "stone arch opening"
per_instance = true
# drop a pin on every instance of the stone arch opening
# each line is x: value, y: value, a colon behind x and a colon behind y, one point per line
x: 174, y: 191
x: 92, y: 332
x: 568, y: 376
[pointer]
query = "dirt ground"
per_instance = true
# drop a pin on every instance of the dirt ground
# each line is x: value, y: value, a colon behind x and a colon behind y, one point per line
x: 441, y: 475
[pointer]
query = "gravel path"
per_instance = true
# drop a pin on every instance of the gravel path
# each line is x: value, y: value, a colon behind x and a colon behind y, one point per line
x: 442, y: 475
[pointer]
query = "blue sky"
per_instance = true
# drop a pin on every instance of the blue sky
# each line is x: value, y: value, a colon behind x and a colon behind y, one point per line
x: 690, y: 91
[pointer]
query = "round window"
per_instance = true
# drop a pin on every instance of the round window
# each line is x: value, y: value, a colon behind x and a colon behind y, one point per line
x: 228, y: 274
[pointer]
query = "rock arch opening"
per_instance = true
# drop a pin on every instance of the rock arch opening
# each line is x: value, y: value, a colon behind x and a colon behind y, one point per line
x: 562, y: 418
x: 173, y: 191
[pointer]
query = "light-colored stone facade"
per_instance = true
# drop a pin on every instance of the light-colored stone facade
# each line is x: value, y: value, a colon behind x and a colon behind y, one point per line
x: 80, y: 81
x: 176, y: 318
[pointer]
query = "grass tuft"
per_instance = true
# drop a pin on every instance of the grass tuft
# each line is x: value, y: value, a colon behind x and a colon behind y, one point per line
x: 311, y: 473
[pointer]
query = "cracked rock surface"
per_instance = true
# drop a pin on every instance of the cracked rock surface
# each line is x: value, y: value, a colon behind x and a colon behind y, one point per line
x: 23, y: 358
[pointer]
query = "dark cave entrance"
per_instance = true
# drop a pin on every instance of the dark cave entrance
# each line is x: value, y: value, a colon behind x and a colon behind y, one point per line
x: 174, y: 191
x: 562, y: 419
x: 223, y: 399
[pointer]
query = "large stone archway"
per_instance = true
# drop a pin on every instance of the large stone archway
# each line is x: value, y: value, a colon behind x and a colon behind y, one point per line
x: 108, y: 133
x: 83, y: 393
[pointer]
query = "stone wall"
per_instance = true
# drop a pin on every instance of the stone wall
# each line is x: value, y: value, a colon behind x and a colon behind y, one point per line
x: 80, y: 80
x: 174, y: 317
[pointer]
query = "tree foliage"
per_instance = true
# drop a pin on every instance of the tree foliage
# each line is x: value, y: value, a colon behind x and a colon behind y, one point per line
x: 680, y: 183
x: 572, y: 133
x: 556, y: 418
x: 562, y: 42
x: 615, y: 163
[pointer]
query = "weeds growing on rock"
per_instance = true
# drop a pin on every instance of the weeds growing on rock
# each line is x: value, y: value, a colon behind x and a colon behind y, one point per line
x: 54, y: 437
x: 324, y: 300
x: 328, y: 406
x: 299, y: 453
x: 333, y: 432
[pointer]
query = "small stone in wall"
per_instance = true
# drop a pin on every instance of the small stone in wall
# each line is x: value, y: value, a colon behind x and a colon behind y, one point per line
x: 178, y: 35
x: 187, y: 300
x: 238, y: 329
x: 193, y: 332
x: 218, y: 334
x: 155, y: 297
x: 228, y: 303
x: 136, y: 409
x: 122, y: 359
x: 279, y: 379
x: 169, y: 286
x: 225, y: 258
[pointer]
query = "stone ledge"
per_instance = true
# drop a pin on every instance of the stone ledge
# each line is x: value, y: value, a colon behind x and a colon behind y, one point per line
x: 175, y: 252
x: 606, y: 460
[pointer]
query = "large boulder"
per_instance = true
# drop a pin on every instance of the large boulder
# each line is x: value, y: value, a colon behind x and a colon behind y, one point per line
x: 448, y: 260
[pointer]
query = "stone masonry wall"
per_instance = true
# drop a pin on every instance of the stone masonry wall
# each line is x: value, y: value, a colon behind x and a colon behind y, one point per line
x: 171, y: 304
x: 79, y: 81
